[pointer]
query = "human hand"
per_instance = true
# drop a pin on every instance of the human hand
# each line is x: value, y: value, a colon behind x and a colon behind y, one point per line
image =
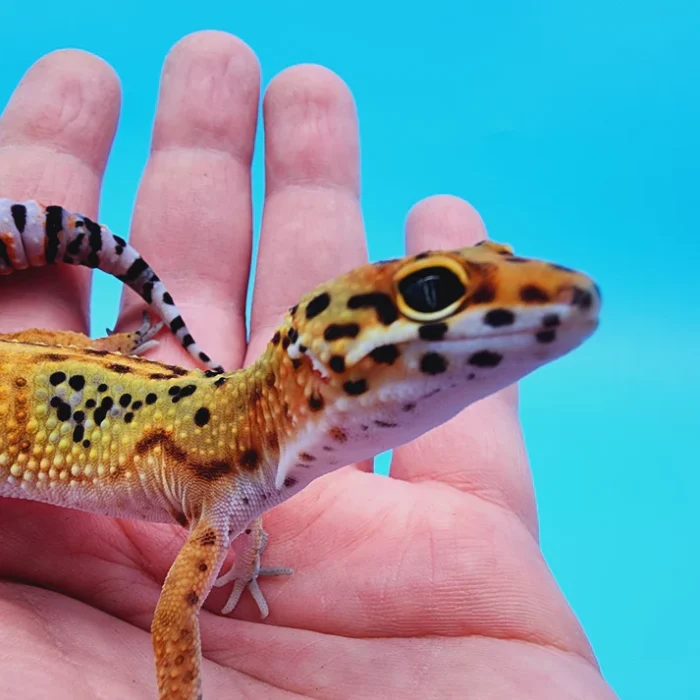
x: 430, y: 584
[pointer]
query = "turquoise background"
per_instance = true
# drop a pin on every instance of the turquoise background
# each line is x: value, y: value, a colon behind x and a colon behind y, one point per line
x: 573, y: 128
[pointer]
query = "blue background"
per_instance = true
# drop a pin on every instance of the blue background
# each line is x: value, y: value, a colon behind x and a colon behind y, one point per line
x: 573, y: 128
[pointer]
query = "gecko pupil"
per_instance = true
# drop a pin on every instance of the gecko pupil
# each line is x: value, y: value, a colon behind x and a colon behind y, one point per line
x: 431, y: 289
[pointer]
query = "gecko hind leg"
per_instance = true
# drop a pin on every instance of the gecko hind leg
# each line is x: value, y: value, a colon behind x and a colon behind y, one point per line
x: 248, y: 548
x: 131, y: 343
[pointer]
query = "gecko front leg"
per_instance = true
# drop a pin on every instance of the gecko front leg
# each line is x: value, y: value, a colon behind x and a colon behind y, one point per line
x: 175, y: 628
x: 248, y: 548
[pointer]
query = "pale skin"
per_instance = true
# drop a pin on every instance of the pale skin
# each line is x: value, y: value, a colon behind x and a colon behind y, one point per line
x: 428, y: 584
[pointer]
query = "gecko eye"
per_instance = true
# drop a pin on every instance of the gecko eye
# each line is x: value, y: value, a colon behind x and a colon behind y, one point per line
x: 431, y: 291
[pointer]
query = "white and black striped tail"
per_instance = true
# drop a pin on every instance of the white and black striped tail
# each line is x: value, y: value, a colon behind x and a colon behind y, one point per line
x: 32, y: 235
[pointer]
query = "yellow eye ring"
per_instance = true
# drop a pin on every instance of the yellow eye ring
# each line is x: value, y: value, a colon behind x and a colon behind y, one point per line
x: 430, y: 289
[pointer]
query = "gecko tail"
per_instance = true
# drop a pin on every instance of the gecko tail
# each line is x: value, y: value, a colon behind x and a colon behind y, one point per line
x: 34, y: 235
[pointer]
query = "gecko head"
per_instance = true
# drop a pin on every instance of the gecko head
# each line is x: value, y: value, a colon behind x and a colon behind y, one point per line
x: 455, y: 325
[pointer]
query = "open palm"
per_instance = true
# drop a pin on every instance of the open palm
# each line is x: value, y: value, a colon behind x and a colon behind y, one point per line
x: 430, y: 584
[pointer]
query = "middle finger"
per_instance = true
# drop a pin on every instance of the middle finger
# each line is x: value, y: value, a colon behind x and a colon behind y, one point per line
x: 312, y: 223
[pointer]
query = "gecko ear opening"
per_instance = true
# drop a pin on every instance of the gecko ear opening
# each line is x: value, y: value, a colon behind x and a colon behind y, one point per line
x: 430, y: 289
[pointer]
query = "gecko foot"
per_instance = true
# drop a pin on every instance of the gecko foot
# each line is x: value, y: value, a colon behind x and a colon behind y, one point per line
x: 246, y: 569
x: 140, y: 340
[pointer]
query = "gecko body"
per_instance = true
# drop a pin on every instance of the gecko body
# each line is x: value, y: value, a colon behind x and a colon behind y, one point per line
x: 362, y: 364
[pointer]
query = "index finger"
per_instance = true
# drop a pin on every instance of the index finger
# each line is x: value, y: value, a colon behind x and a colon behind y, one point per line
x: 192, y: 220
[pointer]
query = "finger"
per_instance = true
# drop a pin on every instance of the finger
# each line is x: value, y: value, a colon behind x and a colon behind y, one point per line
x: 481, y: 450
x: 55, y: 137
x: 312, y: 223
x: 192, y: 220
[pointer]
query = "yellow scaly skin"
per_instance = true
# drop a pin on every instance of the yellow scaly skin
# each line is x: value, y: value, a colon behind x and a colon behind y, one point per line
x: 362, y: 364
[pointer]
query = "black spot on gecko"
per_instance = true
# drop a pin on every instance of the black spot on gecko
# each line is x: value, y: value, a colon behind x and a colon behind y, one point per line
x: 202, y: 416
x: 208, y: 539
x: 183, y: 392
x: 532, y: 294
x: 293, y: 335
x: 77, y: 382
x: 73, y: 247
x: 119, y: 369
x: 548, y: 336
x: 285, y: 342
x: 100, y: 413
x: 63, y: 410
x: 337, y: 363
x: 317, y: 305
x: 135, y: 269
x: 485, y: 358
x: 306, y: 457
x: 124, y: 400
x: 121, y: 244
x: 296, y: 362
x: 316, y: 402
x: 79, y: 416
x: 102, y: 387
x: 336, y: 331
x: 356, y: 387
x: 551, y: 320
x: 52, y: 228
x: 499, y: 317
x: 176, y: 324
x: 408, y: 407
x: 86, y: 443
x: 250, y: 459
x: 289, y: 482
x: 204, y: 357
x: 433, y: 363
x: 381, y: 303
x: 19, y: 216
x: 384, y: 424
x: 187, y: 341
x: 136, y: 405
x: 582, y: 299
x: 432, y: 331
x: 147, y: 292
x: 90, y: 403
x: 57, y: 378
x: 276, y: 338
x: 167, y: 299
x: 78, y: 433
x: 94, y: 241
x: 385, y: 354
x: 192, y: 599
x: 151, y: 399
